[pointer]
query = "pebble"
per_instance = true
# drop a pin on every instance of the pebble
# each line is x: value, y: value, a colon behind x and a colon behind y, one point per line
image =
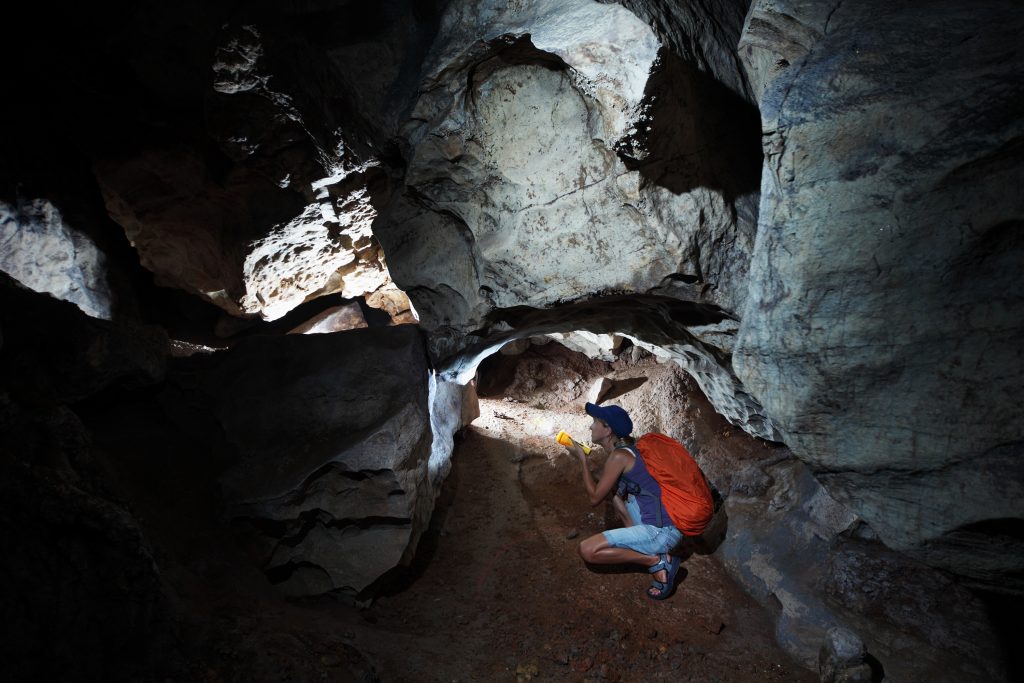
x: 526, y: 672
x: 573, y: 533
x: 583, y: 665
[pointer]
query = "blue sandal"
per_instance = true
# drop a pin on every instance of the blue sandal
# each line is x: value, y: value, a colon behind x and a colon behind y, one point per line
x: 671, y: 568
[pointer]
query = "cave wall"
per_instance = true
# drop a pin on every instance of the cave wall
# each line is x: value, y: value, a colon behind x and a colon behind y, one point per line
x: 877, y: 311
x: 81, y: 586
x: 837, y: 185
x: 881, y: 332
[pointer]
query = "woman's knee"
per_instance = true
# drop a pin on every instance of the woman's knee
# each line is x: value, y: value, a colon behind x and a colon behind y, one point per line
x: 588, y: 547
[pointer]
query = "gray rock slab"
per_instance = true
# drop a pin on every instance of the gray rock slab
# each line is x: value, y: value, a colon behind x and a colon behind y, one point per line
x: 332, y: 428
x: 882, y: 333
x: 793, y: 548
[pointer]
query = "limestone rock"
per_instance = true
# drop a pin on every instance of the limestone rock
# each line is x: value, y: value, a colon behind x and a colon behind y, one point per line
x: 470, y: 409
x: 331, y: 428
x: 663, y: 326
x: 882, y: 333
x: 842, y: 658
x: 751, y: 481
x: 334, y: 319
x: 787, y: 540
x: 515, y: 347
x: 351, y: 558
x: 882, y: 587
x: 309, y: 256
x: 452, y: 407
x: 41, y: 251
x: 514, y: 174
x: 608, y: 49
x: 598, y: 389
x: 704, y: 34
x: 289, y: 220
x: 393, y: 301
x: 602, y: 346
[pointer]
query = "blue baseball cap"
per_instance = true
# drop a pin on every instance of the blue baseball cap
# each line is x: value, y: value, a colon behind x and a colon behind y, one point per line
x: 614, y: 416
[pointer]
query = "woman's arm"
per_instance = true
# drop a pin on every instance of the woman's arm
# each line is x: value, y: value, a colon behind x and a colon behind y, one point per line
x: 615, y: 465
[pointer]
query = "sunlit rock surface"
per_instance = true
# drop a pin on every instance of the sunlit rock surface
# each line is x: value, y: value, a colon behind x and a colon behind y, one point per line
x: 39, y: 249
x: 334, y: 319
x: 333, y: 455
x: 882, y: 331
x: 284, y: 216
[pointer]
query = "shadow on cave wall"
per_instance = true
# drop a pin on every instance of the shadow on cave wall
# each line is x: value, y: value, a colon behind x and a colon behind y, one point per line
x: 695, y: 132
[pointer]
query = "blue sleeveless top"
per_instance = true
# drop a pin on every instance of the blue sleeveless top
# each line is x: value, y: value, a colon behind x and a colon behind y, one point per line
x: 639, y: 482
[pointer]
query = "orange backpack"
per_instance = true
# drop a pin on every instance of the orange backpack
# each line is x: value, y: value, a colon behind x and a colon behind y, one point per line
x: 684, y: 490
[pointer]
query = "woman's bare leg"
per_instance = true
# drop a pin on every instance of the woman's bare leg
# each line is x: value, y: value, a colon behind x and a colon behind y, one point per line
x: 596, y: 550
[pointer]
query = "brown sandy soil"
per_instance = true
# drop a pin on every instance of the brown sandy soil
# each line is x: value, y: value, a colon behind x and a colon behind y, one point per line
x: 497, y: 591
x: 505, y: 595
x: 500, y: 592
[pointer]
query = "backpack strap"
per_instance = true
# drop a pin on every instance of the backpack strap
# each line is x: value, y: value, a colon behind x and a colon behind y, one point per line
x: 634, y: 487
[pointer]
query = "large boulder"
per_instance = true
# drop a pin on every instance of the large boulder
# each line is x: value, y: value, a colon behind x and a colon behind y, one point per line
x: 805, y: 558
x: 882, y: 328
x: 334, y: 471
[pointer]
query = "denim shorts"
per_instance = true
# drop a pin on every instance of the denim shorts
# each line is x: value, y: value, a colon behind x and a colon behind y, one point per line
x: 643, y: 538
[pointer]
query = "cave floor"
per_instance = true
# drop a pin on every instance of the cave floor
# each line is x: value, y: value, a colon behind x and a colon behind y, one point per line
x: 503, y: 595
x: 497, y: 591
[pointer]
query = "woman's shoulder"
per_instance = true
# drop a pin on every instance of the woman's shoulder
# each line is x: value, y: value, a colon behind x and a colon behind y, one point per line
x: 626, y: 455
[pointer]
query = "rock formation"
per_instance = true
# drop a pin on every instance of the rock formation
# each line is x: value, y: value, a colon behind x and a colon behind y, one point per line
x: 881, y: 330
x: 812, y: 208
x: 333, y: 457
x: 41, y: 251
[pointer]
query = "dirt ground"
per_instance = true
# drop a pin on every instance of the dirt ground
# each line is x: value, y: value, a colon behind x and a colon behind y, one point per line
x: 497, y: 591
x: 505, y: 596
